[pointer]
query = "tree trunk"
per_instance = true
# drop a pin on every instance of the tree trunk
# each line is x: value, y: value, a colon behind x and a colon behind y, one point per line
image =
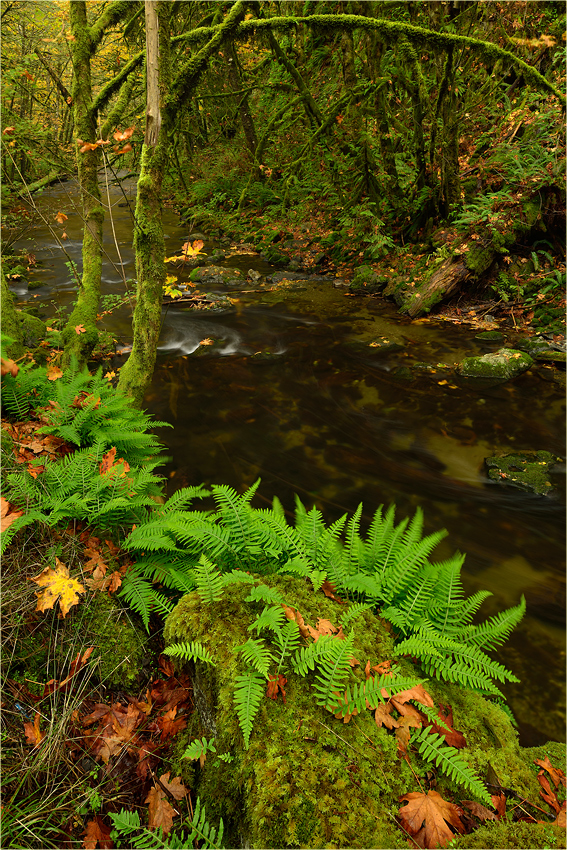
x: 80, y: 343
x: 10, y: 322
x: 243, y: 105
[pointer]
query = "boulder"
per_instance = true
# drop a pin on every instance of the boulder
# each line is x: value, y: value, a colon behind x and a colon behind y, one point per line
x: 211, y: 275
x: 528, y: 471
x: 501, y: 365
x: 367, y: 281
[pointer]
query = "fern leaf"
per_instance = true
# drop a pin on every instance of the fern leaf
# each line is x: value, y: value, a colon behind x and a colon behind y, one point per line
x: 334, y: 667
x: 138, y: 593
x: 287, y: 639
x: 248, y: 695
x: 209, y: 581
x: 353, y: 612
x: 270, y: 618
x: 432, y: 748
x: 496, y: 630
x: 264, y: 593
x: 256, y: 653
x: 193, y: 651
x: 199, y: 748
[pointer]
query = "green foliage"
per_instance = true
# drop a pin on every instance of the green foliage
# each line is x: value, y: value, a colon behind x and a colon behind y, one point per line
x: 432, y: 747
x: 127, y: 826
x: 189, y: 652
x: 248, y: 695
x: 199, y: 748
x: 210, y: 585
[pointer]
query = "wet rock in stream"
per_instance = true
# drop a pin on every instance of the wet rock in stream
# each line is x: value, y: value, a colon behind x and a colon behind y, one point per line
x: 502, y: 365
x: 215, y: 275
x: 528, y: 471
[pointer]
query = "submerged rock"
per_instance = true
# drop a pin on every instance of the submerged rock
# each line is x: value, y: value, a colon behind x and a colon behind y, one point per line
x: 490, y: 336
x: 366, y: 280
x: 528, y: 471
x: 502, y: 365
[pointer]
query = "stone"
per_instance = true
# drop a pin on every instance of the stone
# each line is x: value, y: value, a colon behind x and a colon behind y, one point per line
x: 490, y: 336
x: 501, y: 365
x: 34, y: 330
x: 218, y: 275
x: 528, y: 471
x: 366, y: 280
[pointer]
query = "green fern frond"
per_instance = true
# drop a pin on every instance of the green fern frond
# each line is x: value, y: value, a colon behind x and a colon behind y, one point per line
x: 138, y: 593
x: 271, y: 618
x: 496, y: 630
x: 198, y: 748
x: 369, y: 694
x: 248, y: 695
x: 263, y: 593
x: 256, y: 653
x: 354, y: 610
x: 237, y: 577
x: 127, y: 826
x: 333, y: 669
x: 432, y: 747
x: 209, y: 581
x: 308, y: 657
x: 189, y: 651
x: 287, y: 639
x: 181, y: 499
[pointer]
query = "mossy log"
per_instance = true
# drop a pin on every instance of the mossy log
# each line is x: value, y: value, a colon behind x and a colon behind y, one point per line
x: 308, y: 779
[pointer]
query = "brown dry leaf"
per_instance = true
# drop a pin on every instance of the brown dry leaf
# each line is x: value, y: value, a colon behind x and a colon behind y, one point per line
x: 276, y: 685
x: 145, y: 758
x: 557, y: 776
x: 453, y: 738
x: 325, y: 627
x: 175, y: 787
x: 428, y: 817
x: 97, y: 832
x: 499, y: 803
x: 561, y: 819
x: 549, y: 796
x: 403, y: 733
x: 169, y: 725
x: 305, y: 630
x: 80, y: 329
x: 33, y: 733
x: 419, y: 694
x: 61, y: 217
x: 406, y: 710
x: 109, y: 746
x: 383, y: 717
x: 329, y: 590
x: 478, y: 810
x: 161, y: 813
x: 123, y: 136
x: 7, y: 518
x: 126, y: 149
x: 57, y: 587
x: 207, y: 341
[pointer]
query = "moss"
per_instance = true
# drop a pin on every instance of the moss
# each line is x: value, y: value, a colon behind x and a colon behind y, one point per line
x: 502, y: 365
x: 507, y: 834
x: 528, y: 471
x: 33, y: 329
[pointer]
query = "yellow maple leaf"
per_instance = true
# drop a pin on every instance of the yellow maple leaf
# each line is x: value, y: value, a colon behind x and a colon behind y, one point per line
x: 54, y: 372
x: 57, y: 587
x: 207, y: 341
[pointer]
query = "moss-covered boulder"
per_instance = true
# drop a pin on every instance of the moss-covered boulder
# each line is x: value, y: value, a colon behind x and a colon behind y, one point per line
x: 367, y: 281
x: 33, y: 329
x: 215, y: 275
x: 308, y: 779
x: 528, y: 471
x: 501, y: 365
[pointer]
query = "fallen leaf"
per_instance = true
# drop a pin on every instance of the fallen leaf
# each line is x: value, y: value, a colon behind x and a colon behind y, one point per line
x: 97, y: 832
x: 8, y: 131
x: 418, y: 693
x: 161, y: 813
x: 60, y: 217
x: 175, y: 787
x: 403, y: 733
x: 276, y: 685
x: 8, y: 367
x: 557, y: 776
x: 122, y: 136
x: 126, y: 149
x: 329, y: 590
x: 169, y: 725
x: 33, y: 733
x: 207, y: 341
x: 57, y: 587
x: 53, y: 373
x: 479, y: 811
x: 80, y: 329
x: 383, y: 717
x: 549, y: 796
x: 7, y: 518
x: 428, y: 817
x: 453, y: 738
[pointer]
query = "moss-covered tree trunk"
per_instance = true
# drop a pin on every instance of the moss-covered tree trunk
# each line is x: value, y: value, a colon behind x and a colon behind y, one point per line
x: 80, y: 334
x: 149, y: 243
x: 10, y: 324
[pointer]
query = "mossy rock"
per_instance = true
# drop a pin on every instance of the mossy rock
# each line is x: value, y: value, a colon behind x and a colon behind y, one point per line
x: 308, y: 779
x: 528, y: 471
x: 209, y: 275
x: 272, y: 255
x: 490, y: 336
x: 366, y: 280
x: 504, y: 364
x: 33, y: 329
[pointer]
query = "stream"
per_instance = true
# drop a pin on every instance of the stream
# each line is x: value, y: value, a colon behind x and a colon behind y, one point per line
x: 292, y: 390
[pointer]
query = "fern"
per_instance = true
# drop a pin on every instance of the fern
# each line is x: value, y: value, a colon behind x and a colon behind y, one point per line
x: 287, y: 639
x: 270, y: 618
x: 248, y: 695
x: 199, y: 748
x: 432, y: 747
x: 265, y: 594
x: 352, y: 613
x: 127, y: 825
x: 257, y: 654
x: 369, y: 694
x: 333, y: 668
x: 210, y: 585
x: 193, y: 651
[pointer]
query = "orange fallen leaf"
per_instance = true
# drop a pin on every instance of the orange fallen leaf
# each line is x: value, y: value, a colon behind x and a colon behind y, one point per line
x: 8, y: 131
x: 428, y: 817
x: 33, y: 733
x: 8, y: 367
x: 7, y: 518
x: 97, y: 832
x: 123, y: 135
x: 53, y: 373
x: 126, y: 149
x: 58, y: 586
x: 276, y: 685
x: 61, y: 217
x: 80, y: 329
x: 207, y: 341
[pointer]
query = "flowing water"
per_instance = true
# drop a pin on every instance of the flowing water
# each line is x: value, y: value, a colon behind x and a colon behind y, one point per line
x: 292, y: 391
